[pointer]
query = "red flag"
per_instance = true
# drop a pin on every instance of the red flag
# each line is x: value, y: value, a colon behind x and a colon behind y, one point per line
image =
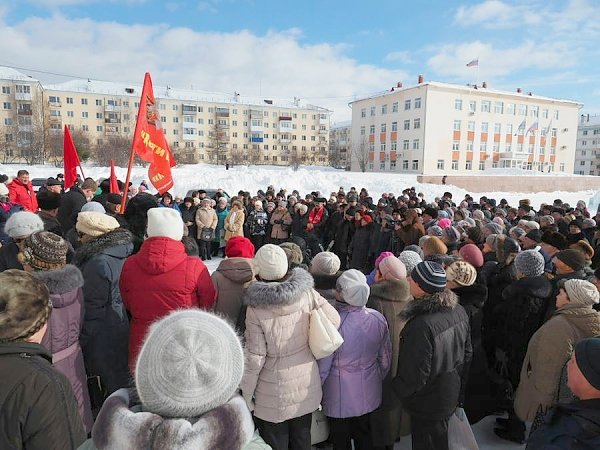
x: 114, y: 186
x: 70, y: 159
x: 150, y: 143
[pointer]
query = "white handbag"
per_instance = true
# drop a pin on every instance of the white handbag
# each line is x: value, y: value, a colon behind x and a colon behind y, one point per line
x: 460, y: 434
x: 323, y: 336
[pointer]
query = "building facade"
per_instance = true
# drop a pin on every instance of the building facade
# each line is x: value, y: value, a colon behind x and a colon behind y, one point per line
x: 438, y: 128
x: 340, y: 145
x: 588, y: 146
x: 199, y: 127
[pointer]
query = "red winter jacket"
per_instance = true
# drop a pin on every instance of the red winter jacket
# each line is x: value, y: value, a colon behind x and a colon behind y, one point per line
x: 158, y: 279
x: 23, y: 194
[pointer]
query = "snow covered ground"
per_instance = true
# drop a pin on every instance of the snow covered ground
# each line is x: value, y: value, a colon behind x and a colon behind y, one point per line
x: 307, y: 179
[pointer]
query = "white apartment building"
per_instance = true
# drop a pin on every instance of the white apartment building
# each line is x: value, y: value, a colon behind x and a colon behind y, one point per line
x: 200, y: 127
x: 340, y: 144
x: 588, y: 146
x: 439, y: 128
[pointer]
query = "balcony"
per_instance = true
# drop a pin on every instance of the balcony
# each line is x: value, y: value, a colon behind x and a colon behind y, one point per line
x: 323, y: 132
x: 284, y: 139
x: 223, y: 137
x: 189, y: 109
x: 112, y: 108
x: 256, y: 113
x: 284, y: 118
x: 189, y: 136
x: 24, y: 112
x: 256, y: 139
x: 54, y: 104
x: 190, y: 124
x: 111, y: 130
x: 256, y: 128
x: 222, y: 126
x: 112, y: 120
x: 23, y: 96
x: 55, y: 118
x: 222, y: 112
x: 324, y: 120
x: 510, y: 155
x: 26, y: 128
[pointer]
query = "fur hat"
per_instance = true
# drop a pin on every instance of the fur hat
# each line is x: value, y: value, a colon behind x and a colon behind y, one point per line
x: 505, y: 246
x: 353, y: 287
x: 294, y: 254
x: 325, y: 263
x: 48, y: 201
x: 461, y: 273
x: 493, y: 227
x: 435, y: 230
x: 271, y: 262
x: 410, y: 259
x: 434, y: 246
x: 530, y: 263
x: 93, y: 207
x: 95, y: 223
x: 555, y: 239
x: 587, y: 355
x: 451, y: 235
x: 239, y: 246
x: 391, y: 268
x: 430, y: 276
x: 165, y: 222
x: 44, y: 250
x: 191, y: 362
x: 535, y: 235
x: 472, y: 254
x: 21, y: 224
x: 575, y: 259
x: 24, y: 305
x: 474, y: 233
x: 581, y: 292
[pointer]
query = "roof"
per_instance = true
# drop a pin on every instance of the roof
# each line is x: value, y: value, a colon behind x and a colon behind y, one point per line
x: 341, y: 124
x: 471, y: 89
x: 589, y: 121
x: 8, y: 73
x: 122, y: 89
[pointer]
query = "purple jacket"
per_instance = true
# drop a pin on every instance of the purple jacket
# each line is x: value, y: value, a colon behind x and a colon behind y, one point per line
x: 64, y: 327
x: 352, y: 376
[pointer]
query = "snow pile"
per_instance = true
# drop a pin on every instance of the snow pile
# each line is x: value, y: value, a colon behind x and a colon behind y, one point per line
x: 305, y: 180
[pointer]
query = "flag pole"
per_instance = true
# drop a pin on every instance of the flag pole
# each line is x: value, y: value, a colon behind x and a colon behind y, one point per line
x: 81, y: 168
x: 127, y: 178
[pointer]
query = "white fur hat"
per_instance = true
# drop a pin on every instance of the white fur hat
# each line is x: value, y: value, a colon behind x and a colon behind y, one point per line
x: 23, y: 223
x: 271, y: 263
x: 165, y: 222
x: 325, y: 263
x: 353, y: 287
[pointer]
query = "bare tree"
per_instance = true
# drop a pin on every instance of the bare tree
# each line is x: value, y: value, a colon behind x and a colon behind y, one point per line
x: 8, y: 152
x: 54, y: 143
x: 218, y: 144
x: 360, y: 152
x: 31, y: 133
x: 116, y: 147
x: 294, y: 159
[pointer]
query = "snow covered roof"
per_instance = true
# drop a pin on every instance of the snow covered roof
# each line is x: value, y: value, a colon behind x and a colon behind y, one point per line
x: 472, y: 89
x: 8, y: 73
x: 134, y: 90
x: 341, y: 124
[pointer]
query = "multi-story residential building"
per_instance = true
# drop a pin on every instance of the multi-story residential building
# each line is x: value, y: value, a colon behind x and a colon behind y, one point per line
x: 200, y: 127
x: 587, y: 161
x: 340, y: 144
x: 443, y: 128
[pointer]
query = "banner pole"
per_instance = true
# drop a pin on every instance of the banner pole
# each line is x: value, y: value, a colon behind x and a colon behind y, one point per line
x: 127, y: 178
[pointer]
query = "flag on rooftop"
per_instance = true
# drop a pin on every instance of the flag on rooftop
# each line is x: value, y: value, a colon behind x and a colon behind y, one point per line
x: 473, y: 63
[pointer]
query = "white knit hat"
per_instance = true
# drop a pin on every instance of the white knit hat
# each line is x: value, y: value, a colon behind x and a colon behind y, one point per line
x: 582, y: 292
x: 353, y: 287
x: 191, y: 362
x: 23, y: 223
x: 325, y: 263
x: 95, y: 223
x: 271, y: 263
x: 165, y: 222
x: 410, y: 259
x: 462, y: 273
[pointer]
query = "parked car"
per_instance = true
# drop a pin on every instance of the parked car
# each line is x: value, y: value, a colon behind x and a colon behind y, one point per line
x: 38, y: 183
x: 209, y: 193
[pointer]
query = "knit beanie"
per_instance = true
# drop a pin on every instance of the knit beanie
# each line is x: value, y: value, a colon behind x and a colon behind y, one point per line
x: 472, y: 255
x: 325, y: 263
x: 530, y: 263
x: 44, y: 250
x: 435, y: 230
x: 414, y: 248
x: 21, y: 224
x: 353, y: 287
x: 555, y: 239
x: 95, y: 224
x: 462, y: 273
x: 191, y: 362
x: 93, y: 206
x: 410, y: 259
x: 239, y: 246
x: 430, y: 276
x: 24, y: 305
x: 391, y: 268
x: 165, y: 222
x: 474, y: 233
x: 575, y: 259
x: 582, y: 292
x: 587, y: 355
x: 381, y: 256
x: 271, y: 262
x: 451, y: 235
x: 444, y: 223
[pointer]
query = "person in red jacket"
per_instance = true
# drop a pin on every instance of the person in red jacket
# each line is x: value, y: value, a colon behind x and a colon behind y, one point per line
x: 20, y: 191
x: 161, y: 278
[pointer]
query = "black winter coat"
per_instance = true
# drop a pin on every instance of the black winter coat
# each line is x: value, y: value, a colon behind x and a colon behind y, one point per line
x: 435, y: 352
x: 360, y: 247
x: 299, y: 225
x: 37, y: 407
x: 520, y: 316
x: 8, y: 257
x: 189, y: 215
x: 105, y: 332
x: 70, y: 205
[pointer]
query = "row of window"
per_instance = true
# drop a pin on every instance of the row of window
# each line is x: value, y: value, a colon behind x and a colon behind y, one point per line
x: 394, y: 127
x: 384, y: 108
x: 497, y: 128
x: 592, y: 142
x: 19, y: 89
x: 505, y: 164
x: 505, y: 108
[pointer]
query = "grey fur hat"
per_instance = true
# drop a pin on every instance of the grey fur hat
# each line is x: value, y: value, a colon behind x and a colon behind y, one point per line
x: 530, y: 263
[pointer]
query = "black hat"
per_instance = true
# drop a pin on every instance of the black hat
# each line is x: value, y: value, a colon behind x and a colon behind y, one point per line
x: 575, y: 223
x: 525, y: 207
x: 48, y: 200
x: 351, y: 211
x: 53, y: 182
x: 587, y: 355
x: 321, y: 200
x: 115, y: 199
x: 491, y: 202
x: 474, y: 233
x: 431, y: 212
x: 535, y: 235
x: 555, y: 239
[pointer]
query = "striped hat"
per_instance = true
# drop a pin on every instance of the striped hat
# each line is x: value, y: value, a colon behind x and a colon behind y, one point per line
x: 430, y: 276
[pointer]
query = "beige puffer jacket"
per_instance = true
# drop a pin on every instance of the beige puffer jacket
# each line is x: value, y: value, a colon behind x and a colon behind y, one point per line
x: 234, y: 222
x: 206, y: 217
x: 281, y: 373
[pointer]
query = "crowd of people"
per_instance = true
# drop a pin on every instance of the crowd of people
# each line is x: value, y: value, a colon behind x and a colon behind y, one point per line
x: 114, y: 335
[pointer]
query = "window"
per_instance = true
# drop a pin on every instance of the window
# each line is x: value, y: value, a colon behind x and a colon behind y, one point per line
x: 481, y: 165
x: 415, y: 144
x: 498, y: 107
x: 496, y: 147
x: 363, y: 112
x: 582, y: 163
x: 85, y: 128
x: 383, y: 127
x: 530, y: 149
x: 84, y: 114
x: 98, y: 115
x: 395, y: 107
x: 417, y: 123
x: 23, y: 89
x: 553, y: 150
x: 382, y: 147
x: 84, y: 101
x: 394, y: 126
x: 544, y: 113
x: 175, y: 119
x: 98, y: 127
x: 362, y: 131
x: 469, y: 146
x: 7, y: 105
x: 383, y: 109
x: 483, y: 146
x: 561, y: 167
x: 418, y: 103
x: 522, y: 110
x: 484, y: 127
x: 6, y: 89
x: 471, y: 125
x: 392, y: 165
x: 415, y: 164
x: 455, y: 164
x: 373, y: 111
x: 510, y: 109
x: 457, y: 106
x: 394, y: 145
x: 535, y: 110
x: 456, y: 126
x: 405, y: 144
x: 372, y: 129
x: 469, y: 165
x: 509, y: 128
x: 407, y: 124
x: 406, y: 105
x: 553, y: 132
x: 556, y: 117
x: 70, y: 114
x: 472, y: 106
x: 485, y: 106
x: 455, y: 145
x: 440, y: 164
x: 497, y: 128
x: 382, y: 165
x: 8, y: 121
